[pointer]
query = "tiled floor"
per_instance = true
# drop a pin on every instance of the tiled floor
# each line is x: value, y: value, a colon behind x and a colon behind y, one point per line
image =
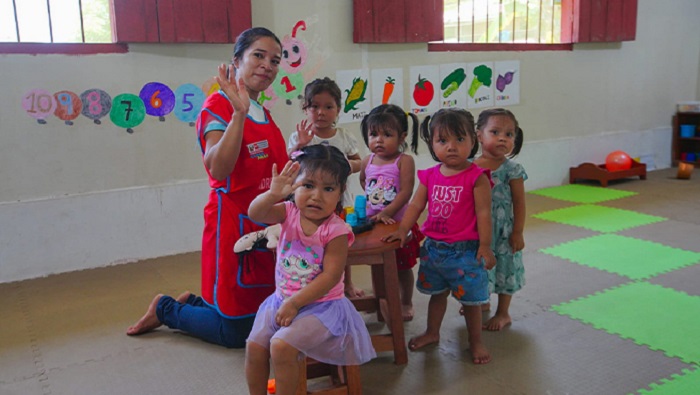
x: 65, y: 334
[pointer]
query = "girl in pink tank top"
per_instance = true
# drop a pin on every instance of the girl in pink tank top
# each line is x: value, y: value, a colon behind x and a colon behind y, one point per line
x: 388, y: 176
x: 457, y: 252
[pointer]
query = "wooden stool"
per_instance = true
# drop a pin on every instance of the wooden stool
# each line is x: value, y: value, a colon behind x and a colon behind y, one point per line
x: 344, y: 380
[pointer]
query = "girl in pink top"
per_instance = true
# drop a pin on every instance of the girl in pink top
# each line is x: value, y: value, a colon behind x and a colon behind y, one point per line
x: 457, y: 252
x: 308, y: 315
x: 387, y: 176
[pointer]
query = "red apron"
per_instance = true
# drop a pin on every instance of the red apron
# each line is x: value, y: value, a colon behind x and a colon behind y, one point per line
x: 237, y: 286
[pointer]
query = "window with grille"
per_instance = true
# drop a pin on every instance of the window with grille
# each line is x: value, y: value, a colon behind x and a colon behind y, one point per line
x: 502, y: 21
x: 55, y: 21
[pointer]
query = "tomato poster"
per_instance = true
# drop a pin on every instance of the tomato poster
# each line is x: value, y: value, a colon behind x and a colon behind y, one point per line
x: 507, y: 77
x: 355, y: 96
x: 423, y: 85
x: 480, y: 84
x: 387, y: 87
x: 453, y: 86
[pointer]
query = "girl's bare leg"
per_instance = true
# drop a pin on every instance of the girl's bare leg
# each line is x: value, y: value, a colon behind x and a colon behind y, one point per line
x: 436, y: 312
x: 285, y: 360
x: 472, y: 316
x: 257, y: 368
x: 351, y: 291
x: 502, y: 317
x: 406, y: 283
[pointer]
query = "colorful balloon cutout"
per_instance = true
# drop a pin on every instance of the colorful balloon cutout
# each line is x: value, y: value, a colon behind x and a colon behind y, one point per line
x: 189, y: 100
x: 158, y: 98
x: 39, y: 104
x: 289, y: 83
x: 96, y: 104
x: 68, y: 106
x: 128, y: 111
x: 288, y: 86
x: 618, y: 160
x: 210, y: 86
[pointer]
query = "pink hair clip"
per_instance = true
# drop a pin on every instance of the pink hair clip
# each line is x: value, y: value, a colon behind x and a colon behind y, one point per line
x: 295, y: 155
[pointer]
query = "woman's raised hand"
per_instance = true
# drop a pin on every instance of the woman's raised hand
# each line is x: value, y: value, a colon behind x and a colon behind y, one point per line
x: 236, y: 91
x: 283, y: 183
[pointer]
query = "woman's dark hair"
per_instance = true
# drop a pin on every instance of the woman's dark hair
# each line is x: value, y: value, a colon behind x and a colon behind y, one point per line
x: 325, y: 158
x: 320, y: 85
x: 454, y: 121
x: 484, y: 117
x: 392, y: 117
x: 248, y: 37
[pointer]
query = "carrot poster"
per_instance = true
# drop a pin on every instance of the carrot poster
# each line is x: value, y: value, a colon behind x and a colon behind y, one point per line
x: 507, y: 76
x: 355, y: 102
x: 387, y: 87
x: 453, y: 86
x: 422, y: 85
x: 480, y: 80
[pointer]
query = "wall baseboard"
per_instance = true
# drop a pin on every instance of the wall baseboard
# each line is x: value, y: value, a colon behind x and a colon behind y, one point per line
x: 56, y: 235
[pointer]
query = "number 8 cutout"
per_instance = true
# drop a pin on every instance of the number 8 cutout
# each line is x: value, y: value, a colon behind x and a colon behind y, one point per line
x: 96, y: 104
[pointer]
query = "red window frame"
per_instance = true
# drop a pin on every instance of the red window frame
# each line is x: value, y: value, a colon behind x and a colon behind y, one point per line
x: 157, y: 21
x: 402, y: 21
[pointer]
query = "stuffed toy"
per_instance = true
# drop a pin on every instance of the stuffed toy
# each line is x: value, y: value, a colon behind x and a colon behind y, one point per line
x: 265, y: 238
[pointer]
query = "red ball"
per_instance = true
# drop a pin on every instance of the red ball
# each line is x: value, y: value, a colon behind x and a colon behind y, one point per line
x: 618, y: 160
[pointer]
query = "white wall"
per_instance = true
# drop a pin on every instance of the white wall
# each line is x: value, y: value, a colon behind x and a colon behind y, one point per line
x: 81, y: 196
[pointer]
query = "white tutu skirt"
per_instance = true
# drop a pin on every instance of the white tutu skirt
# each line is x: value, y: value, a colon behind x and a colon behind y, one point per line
x: 332, y: 332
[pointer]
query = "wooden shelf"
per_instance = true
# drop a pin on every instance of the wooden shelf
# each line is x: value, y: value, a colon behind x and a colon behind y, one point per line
x: 684, y: 145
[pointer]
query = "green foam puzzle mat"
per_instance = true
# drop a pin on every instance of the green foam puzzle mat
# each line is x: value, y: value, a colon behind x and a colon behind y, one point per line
x: 626, y: 256
x: 582, y: 193
x: 660, y: 318
x: 598, y: 218
x: 687, y: 383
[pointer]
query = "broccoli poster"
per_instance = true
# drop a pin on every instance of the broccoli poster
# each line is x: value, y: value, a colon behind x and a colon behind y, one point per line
x: 507, y: 82
x: 453, y: 86
x: 480, y: 84
x: 423, y: 85
x: 387, y: 87
x: 355, y: 100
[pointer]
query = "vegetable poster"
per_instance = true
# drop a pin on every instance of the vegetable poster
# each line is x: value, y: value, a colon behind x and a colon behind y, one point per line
x: 355, y: 102
x: 422, y: 83
x: 387, y: 87
x: 507, y: 75
x: 480, y: 80
x: 453, y: 87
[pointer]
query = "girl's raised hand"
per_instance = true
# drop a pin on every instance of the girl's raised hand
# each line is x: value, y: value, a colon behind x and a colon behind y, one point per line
x: 283, y: 183
x: 305, y: 133
x: 236, y: 92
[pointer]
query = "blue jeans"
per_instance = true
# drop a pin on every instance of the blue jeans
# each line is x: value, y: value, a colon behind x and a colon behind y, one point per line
x: 201, y: 320
x: 453, y: 266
